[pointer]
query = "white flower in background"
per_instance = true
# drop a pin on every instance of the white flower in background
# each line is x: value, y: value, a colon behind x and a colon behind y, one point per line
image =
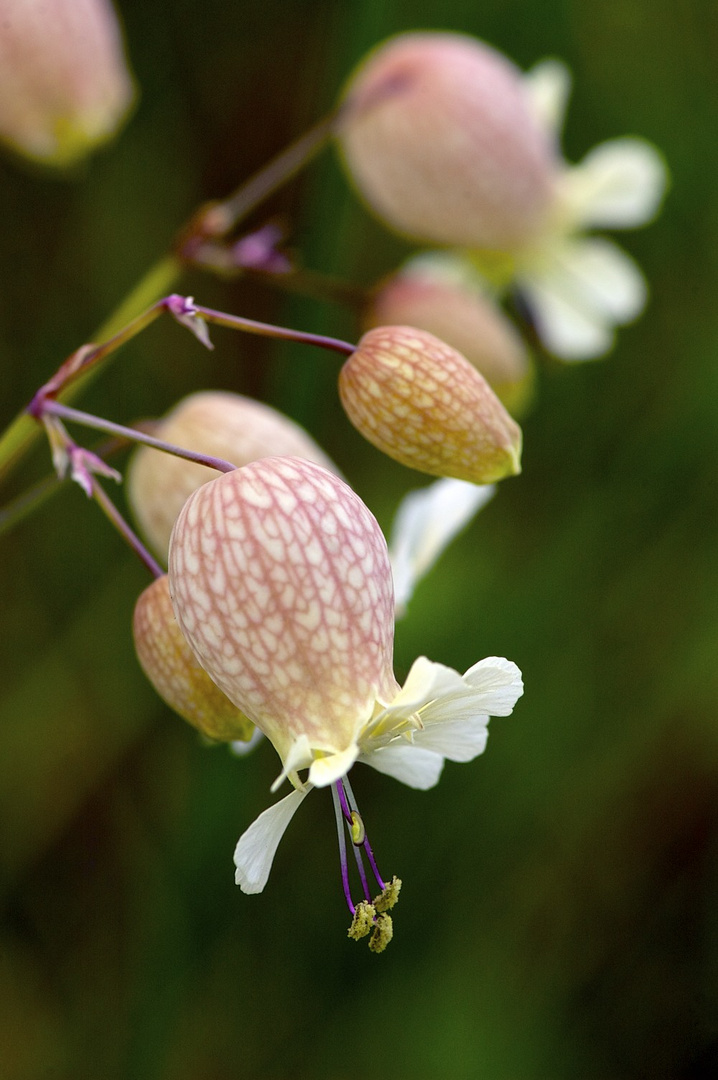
x: 578, y: 287
x: 449, y: 144
x: 281, y: 583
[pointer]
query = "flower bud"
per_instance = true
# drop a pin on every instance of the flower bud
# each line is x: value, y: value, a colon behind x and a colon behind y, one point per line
x: 438, y: 134
x: 64, y: 82
x: 464, y: 318
x: 423, y: 404
x: 281, y: 583
x: 219, y: 424
x: 170, y: 665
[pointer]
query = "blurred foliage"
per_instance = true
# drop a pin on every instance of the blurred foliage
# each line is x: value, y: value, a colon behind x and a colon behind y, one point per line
x: 558, y: 917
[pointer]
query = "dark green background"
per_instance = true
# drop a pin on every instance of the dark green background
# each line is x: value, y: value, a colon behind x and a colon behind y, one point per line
x: 559, y: 914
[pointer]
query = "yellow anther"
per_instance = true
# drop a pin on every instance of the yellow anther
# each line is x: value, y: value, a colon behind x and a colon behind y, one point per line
x: 358, y: 832
x: 363, y: 920
x: 389, y: 896
x: 382, y: 933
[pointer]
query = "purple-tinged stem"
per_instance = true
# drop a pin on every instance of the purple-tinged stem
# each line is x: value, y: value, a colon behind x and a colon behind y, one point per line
x: 66, y: 412
x: 115, y: 518
x: 236, y: 322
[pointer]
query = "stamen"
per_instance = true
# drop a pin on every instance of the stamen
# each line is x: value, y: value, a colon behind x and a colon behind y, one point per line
x: 336, y: 799
x: 365, y: 842
x: 357, y: 830
x: 347, y: 811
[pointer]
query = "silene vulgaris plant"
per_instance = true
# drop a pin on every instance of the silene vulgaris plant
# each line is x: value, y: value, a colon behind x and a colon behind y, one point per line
x: 274, y: 594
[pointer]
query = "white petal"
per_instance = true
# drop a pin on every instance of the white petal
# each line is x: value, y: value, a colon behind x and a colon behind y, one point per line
x: 425, y: 682
x: 426, y: 521
x: 584, y: 288
x: 457, y: 740
x: 619, y: 185
x: 417, y: 767
x: 255, y: 851
x: 327, y: 770
x: 548, y: 85
x: 440, y: 695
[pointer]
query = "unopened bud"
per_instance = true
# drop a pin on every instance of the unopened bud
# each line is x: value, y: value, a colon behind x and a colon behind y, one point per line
x: 219, y: 424
x: 170, y: 665
x: 439, y: 136
x: 422, y: 403
x: 464, y: 318
x: 64, y: 82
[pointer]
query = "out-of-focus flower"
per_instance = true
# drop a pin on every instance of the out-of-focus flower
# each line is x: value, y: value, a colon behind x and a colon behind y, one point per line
x: 434, y: 121
x: 422, y: 403
x: 218, y: 424
x: 282, y: 585
x: 171, y: 666
x: 441, y: 293
x: 438, y: 135
x: 579, y: 288
x: 64, y: 82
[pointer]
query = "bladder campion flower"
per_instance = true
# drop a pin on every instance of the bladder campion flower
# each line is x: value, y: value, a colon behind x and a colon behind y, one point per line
x: 172, y: 668
x: 422, y: 403
x: 64, y: 82
x: 281, y: 583
x: 448, y: 143
x: 216, y: 423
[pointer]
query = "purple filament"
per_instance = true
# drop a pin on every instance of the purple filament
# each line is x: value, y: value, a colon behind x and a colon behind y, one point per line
x: 365, y: 843
x: 338, y: 812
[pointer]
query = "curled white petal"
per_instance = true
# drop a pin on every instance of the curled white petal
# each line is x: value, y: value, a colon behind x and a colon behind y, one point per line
x: 548, y: 85
x: 580, y: 292
x: 412, y: 765
x: 242, y: 747
x: 299, y: 757
x: 440, y: 695
x: 425, y: 523
x: 620, y: 184
x: 256, y: 848
x: 499, y: 682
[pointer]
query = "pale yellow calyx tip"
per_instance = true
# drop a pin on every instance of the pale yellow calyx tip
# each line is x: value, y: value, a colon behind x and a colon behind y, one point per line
x: 363, y: 920
x: 382, y: 933
x: 389, y: 896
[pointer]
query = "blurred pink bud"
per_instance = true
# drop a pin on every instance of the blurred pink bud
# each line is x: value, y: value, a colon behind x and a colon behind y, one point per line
x: 64, y: 82
x: 216, y: 423
x: 440, y: 137
x: 170, y: 665
x: 464, y: 318
x: 281, y: 583
x: 422, y: 403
